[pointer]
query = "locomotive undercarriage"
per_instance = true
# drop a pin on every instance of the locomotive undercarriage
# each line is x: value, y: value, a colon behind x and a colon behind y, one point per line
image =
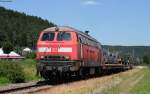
x: 64, y: 70
x: 57, y: 69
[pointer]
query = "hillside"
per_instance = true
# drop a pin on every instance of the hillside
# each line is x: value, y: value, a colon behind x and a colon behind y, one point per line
x: 137, y: 51
x: 20, y: 29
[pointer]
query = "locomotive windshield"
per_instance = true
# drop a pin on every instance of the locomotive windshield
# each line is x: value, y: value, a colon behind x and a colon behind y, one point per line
x: 49, y: 36
x: 61, y: 36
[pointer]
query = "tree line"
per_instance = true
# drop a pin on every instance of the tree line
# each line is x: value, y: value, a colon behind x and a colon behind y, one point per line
x: 20, y: 29
x: 146, y: 59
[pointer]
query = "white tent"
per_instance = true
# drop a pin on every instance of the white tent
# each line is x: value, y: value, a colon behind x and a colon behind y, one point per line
x: 27, y: 50
x: 2, y: 53
x: 12, y: 53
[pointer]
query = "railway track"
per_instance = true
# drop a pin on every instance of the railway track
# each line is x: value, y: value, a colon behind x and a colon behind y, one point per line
x: 24, y: 88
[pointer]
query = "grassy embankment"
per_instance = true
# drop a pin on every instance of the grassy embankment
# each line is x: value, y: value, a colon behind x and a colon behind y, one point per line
x: 143, y: 87
x: 17, y: 71
x: 136, y: 81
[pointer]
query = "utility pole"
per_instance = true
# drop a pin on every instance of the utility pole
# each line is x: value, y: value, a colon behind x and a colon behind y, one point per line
x: 133, y: 55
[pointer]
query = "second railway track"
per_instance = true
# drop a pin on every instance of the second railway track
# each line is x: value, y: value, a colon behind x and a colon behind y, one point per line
x: 24, y: 88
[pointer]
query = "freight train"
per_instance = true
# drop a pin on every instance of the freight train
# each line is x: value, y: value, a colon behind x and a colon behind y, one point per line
x: 64, y: 51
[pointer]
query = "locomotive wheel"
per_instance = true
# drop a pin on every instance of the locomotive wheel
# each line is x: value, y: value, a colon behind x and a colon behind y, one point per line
x: 67, y: 76
x: 44, y: 74
x: 98, y: 71
x: 83, y: 73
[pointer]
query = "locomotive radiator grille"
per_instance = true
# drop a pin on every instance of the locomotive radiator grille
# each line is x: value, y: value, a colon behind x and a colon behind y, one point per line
x: 54, y: 58
x: 57, y: 63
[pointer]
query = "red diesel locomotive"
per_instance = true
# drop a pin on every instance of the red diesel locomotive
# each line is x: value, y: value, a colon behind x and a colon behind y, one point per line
x: 65, y: 51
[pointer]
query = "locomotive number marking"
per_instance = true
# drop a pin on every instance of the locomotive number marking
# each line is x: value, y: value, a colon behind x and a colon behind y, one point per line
x: 44, y: 49
x: 65, y: 49
x: 54, y: 49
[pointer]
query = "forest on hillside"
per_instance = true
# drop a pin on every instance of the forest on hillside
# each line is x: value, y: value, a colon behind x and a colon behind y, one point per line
x: 20, y: 29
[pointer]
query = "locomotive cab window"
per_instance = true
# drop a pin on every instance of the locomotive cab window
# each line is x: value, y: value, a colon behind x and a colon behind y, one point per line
x: 48, y: 36
x: 63, y: 36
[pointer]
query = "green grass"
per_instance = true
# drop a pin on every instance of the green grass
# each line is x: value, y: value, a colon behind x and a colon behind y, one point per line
x: 17, y: 71
x: 143, y: 87
x: 136, y: 81
x: 4, y: 81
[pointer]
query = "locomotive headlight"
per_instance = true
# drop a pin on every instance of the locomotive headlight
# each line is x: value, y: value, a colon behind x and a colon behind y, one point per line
x: 42, y: 57
x: 66, y: 57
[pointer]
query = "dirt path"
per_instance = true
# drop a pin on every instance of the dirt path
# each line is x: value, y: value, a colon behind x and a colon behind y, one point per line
x: 119, y: 83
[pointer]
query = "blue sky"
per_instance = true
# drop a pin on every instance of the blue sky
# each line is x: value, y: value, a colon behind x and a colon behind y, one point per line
x: 112, y: 22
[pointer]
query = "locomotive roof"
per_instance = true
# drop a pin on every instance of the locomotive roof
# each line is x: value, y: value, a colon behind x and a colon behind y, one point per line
x: 67, y: 28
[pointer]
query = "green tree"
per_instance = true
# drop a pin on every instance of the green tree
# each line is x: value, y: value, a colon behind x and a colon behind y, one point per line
x: 20, y: 29
x: 7, y: 47
x: 146, y: 59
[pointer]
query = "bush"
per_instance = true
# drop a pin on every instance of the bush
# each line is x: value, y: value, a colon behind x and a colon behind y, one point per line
x: 12, y: 70
x: 31, y: 55
x: 4, y: 80
x: 29, y: 66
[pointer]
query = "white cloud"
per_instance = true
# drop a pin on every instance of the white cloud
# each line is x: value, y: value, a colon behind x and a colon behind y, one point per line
x: 90, y: 2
